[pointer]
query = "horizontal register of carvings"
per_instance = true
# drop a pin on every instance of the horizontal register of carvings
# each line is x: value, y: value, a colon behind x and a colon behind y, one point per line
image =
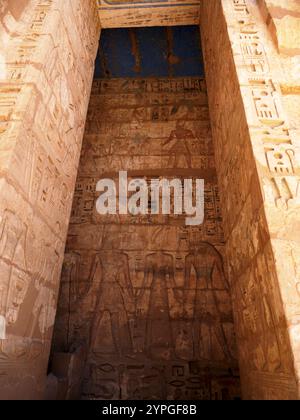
x: 131, y: 13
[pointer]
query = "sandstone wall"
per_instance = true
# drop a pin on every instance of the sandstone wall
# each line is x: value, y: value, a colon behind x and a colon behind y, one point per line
x: 46, y: 68
x: 147, y: 296
x: 258, y: 168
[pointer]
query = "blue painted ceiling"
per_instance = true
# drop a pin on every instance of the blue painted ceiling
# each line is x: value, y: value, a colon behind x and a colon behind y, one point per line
x: 150, y: 52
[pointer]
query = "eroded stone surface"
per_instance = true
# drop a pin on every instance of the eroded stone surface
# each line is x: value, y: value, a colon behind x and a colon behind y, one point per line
x: 283, y: 20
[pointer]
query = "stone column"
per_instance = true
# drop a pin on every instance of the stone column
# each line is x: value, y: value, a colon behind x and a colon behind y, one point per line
x: 253, y: 85
x: 47, y: 52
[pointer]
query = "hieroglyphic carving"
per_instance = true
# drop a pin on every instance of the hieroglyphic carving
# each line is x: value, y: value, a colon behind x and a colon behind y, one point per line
x: 161, y: 85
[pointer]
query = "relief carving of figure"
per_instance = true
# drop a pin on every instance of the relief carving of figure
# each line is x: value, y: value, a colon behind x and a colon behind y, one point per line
x: 266, y: 354
x: 110, y: 332
x: 43, y: 291
x: 210, y: 288
x: 179, y: 140
x: 159, y: 278
x: 13, y: 267
x: 14, y: 284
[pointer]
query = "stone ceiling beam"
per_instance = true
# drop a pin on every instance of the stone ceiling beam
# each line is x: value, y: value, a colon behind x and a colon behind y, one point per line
x: 130, y: 13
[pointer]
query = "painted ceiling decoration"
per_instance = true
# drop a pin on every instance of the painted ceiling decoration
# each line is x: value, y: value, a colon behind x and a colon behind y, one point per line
x: 135, y: 13
x: 150, y: 52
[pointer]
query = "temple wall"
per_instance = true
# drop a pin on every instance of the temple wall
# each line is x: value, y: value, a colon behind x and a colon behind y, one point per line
x: 145, y: 297
x: 254, y: 106
x: 47, y: 51
x: 46, y: 68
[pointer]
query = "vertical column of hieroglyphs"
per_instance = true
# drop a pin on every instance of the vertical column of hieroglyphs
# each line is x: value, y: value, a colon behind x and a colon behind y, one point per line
x: 257, y: 172
x: 46, y: 68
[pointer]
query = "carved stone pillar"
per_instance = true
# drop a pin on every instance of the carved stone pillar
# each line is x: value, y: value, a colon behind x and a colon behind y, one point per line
x: 254, y: 106
x: 46, y: 69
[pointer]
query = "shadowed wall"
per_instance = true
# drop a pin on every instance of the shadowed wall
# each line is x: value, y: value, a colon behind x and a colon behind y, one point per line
x: 147, y: 296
